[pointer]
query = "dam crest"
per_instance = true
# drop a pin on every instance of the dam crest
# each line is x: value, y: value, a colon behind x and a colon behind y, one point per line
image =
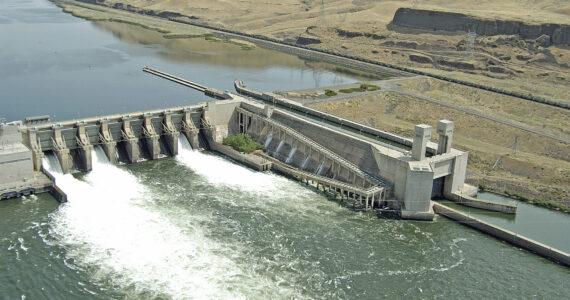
x: 370, y: 172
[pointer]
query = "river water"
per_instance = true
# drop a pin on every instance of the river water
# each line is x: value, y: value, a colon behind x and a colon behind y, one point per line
x: 178, y: 228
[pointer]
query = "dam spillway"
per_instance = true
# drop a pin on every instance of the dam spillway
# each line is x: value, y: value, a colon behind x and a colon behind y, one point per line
x: 367, y: 172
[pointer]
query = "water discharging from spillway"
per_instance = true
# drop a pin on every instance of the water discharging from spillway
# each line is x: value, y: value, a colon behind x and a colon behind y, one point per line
x: 200, y: 226
x: 113, y: 227
x: 291, y: 153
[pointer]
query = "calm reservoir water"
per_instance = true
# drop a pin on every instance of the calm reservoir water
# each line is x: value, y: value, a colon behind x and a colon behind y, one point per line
x: 178, y: 228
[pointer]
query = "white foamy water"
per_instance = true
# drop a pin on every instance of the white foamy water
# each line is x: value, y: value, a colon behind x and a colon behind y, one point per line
x: 109, y: 228
x: 218, y: 170
x: 259, y: 190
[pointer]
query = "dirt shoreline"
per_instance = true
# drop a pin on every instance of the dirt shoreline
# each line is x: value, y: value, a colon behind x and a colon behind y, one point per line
x: 477, y: 74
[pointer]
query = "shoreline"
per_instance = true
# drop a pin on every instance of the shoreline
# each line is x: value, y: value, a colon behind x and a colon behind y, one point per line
x: 311, y: 51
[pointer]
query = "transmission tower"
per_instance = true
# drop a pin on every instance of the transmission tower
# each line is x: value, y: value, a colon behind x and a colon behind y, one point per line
x: 415, y: 3
x: 515, y: 144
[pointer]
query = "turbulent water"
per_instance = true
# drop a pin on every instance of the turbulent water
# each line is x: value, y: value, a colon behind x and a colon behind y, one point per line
x: 201, y: 227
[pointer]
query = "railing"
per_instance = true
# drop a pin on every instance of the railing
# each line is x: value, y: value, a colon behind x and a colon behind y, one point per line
x: 324, y: 180
x: 297, y: 135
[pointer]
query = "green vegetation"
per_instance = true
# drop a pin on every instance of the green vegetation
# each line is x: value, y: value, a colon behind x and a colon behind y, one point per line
x: 538, y: 201
x: 211, y: 37
x: 182, y: 36
x: 351, y: 90
x: 242, y: 143
x: 243, y: 44
x: 330, y: 93
x: 364, y: 87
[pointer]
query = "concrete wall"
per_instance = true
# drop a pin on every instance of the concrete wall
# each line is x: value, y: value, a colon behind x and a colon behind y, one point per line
x: 16, y: 163
x: 15, y: 158
x: 466, y: 200
x: 351, y: 148
x: 393, y: 138
x: 455, y: 183
x: 222, y: 117
x: 418, y: 187
x: 503, y: 234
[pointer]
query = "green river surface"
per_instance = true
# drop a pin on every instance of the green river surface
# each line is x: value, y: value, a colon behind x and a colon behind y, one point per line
x: 198, y: 226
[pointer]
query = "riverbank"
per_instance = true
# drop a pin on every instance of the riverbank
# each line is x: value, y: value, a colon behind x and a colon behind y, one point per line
x: 533, y: 72
x: 170, y: 30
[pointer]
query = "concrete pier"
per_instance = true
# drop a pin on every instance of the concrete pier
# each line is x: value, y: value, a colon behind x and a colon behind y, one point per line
x: 107, y: 141
x: 18, y: 176
x: 61, y: 150
x: 151, y: 137
x: 130, y: 142
x: 84, y: 148
x: 506, y: 208
x: 37, y: 153
x: 171, y: 134
x: 190, y: 130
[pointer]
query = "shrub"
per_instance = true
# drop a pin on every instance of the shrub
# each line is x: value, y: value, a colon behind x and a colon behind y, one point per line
x: 330, y: 93
x: 351, y: 90
x: 364, y: 87
x: 243, y: 143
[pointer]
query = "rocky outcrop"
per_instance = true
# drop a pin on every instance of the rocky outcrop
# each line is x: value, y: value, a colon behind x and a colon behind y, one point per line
x: 438, y: 20
x: 457, y: 64
x: 307, y: 41
x: 353, y: 34
x: 421, y: 59
x: 544, y: 40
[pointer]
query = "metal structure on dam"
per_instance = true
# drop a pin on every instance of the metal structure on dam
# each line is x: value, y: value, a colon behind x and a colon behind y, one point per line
x: 370, y: 172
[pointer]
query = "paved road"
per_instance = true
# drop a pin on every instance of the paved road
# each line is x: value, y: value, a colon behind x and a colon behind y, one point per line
x: 481, y: 115
x: 391, y: 86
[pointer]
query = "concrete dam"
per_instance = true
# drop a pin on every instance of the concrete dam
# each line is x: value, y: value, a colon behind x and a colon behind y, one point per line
x: 369, y: 172
x: 388, y: 171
